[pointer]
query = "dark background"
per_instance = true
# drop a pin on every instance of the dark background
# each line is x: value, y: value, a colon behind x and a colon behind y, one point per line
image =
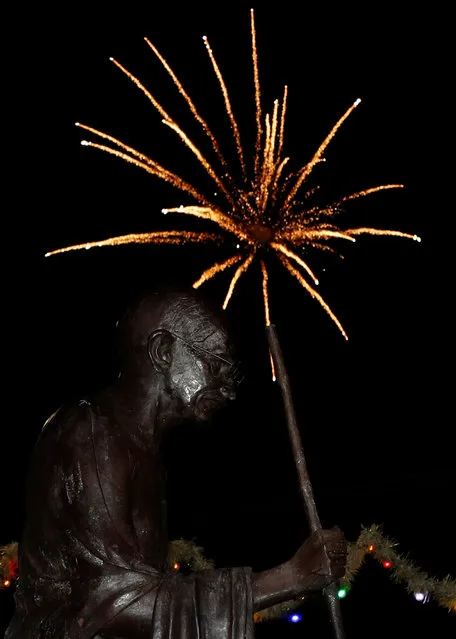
x: 376, y: 412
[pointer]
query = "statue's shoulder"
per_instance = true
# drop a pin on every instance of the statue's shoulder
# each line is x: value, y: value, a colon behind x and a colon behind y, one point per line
x: 66, y: 412
x: 85, y: 421
x: 83, y: 432
x: 68, y: 422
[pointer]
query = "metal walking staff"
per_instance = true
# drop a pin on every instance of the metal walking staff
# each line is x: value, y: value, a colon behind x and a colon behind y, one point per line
x: 305, y: 485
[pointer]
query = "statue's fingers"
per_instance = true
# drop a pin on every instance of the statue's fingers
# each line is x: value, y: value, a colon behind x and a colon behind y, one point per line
x: 338, y: 566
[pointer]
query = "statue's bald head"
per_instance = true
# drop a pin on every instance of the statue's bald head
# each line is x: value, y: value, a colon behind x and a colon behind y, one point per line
x: 182, y: 313
x: 175, y: 345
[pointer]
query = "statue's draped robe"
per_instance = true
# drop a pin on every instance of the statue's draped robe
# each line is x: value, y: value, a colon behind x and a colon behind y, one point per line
x: 95, y: 544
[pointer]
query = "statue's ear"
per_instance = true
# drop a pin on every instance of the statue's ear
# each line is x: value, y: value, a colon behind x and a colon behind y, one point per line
x: 159, y: 349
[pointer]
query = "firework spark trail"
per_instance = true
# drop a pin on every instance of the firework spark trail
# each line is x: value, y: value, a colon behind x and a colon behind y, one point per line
x: 286, y: 251
x: 309, y: 234
x: 158, y: 237
x: 256, y: 76
x: 270, y: 165
x: 125, y: 147
x: 307, y: 169
x: 274, y: 376
x: 265, y: 293
x: 168, y: 120
x: 159, y: 172
x: 229, y: 110
x: 374, y: 189
x: 190, y: 103
x: 313, y: 215
x: 266, y: 312
x: 310, y: 192
x: 282, y: 122
x: 368, y: 231
x: 216, y: 268
x: 209, y: 213
x: 267, y: 173
x: 267, y: 146
x: 312, y: 292
x: 147, y: 93
x: 325, y: 247
x: 277, y: 178
x: 246, y: 209
x: 275, y: 117
x: 240, y: 271
x: 326, y: 233
x: 186, y: 140
x: 263, y: 196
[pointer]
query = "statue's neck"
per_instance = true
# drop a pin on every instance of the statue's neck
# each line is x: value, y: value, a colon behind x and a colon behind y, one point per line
x: 139, y: 406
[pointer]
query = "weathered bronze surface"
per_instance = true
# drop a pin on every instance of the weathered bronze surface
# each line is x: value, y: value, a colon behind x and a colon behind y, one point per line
x: 93, y: 556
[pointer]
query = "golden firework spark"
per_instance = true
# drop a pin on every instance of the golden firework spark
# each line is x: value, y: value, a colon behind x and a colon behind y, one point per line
x: 217, y: 268
x: 267, y: 315
x: 240, y: 271
x: 261, y: 211
x: 159, y: 237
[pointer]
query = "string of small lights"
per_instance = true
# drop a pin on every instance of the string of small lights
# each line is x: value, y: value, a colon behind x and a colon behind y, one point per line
x: 372, y: 542
x: 186, y: 556
x: 418, y: 583
x: 9, y: 564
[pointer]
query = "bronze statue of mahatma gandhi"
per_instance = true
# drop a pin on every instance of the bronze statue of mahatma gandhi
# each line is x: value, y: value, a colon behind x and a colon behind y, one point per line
x: 93, y: 556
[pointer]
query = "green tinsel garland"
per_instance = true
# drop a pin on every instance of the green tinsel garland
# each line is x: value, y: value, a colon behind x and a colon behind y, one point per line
x: 182, y: 552
x: 8, y: 564
x: 374, y: 543
x: 370, y: 542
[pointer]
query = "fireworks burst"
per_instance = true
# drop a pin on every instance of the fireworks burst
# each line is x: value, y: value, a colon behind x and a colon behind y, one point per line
x: 261, y: 210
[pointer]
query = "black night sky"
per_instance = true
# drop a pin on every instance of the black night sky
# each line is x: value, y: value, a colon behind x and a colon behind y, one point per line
x: 375, y: 412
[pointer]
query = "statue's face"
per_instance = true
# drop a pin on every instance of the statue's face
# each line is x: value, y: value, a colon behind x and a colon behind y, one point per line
x: 202, y: 373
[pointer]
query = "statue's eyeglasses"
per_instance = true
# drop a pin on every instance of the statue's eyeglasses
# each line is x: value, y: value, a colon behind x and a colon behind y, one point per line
x: 234, y: 370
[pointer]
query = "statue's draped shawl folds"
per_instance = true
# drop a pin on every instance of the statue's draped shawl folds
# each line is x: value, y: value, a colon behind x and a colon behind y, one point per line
x: 93, y: 544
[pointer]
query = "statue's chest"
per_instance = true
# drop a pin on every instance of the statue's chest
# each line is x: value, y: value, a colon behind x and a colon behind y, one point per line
x: 148, y: 510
